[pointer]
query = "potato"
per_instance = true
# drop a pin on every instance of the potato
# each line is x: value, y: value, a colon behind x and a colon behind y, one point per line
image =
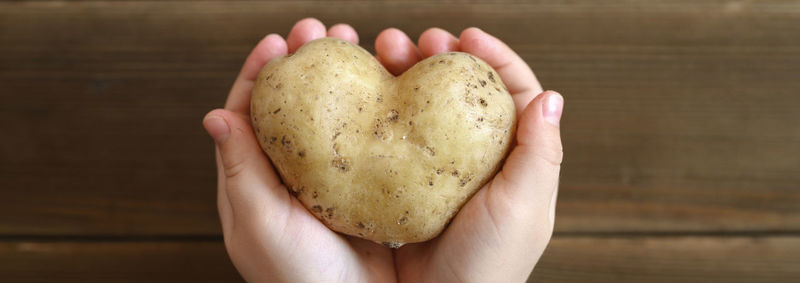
x: 389, y: 159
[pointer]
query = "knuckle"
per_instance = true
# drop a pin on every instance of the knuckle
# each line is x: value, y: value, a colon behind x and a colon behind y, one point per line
x: 234, y: 167
x: 552, y: 153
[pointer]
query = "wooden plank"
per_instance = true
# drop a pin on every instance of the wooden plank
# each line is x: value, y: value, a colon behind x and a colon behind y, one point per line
x: 670, y: 259
x: 679, y: 114
x: 115, y: 262
x: 568, y: 259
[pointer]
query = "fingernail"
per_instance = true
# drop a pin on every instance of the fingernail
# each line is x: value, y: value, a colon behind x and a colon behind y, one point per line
x: 217, y: 128
x: 553, y: 107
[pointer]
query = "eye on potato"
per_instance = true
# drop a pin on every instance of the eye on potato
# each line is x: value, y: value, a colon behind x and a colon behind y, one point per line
x: 389, y: 159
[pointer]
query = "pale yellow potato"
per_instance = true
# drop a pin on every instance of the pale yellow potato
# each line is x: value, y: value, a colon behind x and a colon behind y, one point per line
x: 387, y: 159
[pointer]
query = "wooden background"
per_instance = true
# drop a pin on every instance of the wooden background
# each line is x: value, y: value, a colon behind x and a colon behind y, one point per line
x: 681, y: 131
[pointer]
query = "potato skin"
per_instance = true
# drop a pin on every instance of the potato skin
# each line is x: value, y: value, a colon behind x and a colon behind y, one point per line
x: 383, y: 158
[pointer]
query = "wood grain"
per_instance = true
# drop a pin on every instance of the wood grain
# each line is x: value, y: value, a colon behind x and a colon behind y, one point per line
x: 680, y: 131
x: 115, y: 262
x: 680, y: 115
x: 568, y: 259
x: 670, y: 259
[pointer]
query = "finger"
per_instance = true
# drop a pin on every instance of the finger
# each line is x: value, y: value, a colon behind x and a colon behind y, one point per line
x: 223, y: 204
x: 344, y: 32
x: 304, y: 31
x: 250, y: 180
x: 435, y: 41
x: 396, y: 51
x: 514, y: 72
x: 552, y: 214
x: 270, y: 47
x: 522, y: 100
x: 532, y: 169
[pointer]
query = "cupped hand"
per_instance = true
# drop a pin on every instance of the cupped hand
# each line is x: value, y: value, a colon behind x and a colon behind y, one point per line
x: 500, y: 233
x: 269, y: 234
x: 497, y: 236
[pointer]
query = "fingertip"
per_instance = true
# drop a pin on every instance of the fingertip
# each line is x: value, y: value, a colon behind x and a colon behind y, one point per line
x: 396, y: 50
x: 477, y: 42
x: 553, y: 107
x: 435, y: 41
x: 471, y: 31
x: 238, y: 142
x: 304, y: 31
x: 390, y: 35
x: 544, y: 110
x: 216, y: 125
x: 271, y: 46
x: 268, y: 48
x: 538, y: 149
x: 547, y: 93
x: 219, y: 112
x: 344, y: 32
x: 513, y: 70
x: 242, y: 163
x: 274, y: 42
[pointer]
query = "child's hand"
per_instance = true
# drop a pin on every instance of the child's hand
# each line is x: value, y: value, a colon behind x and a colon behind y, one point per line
x: 269, y: 235
x: 497, y: 236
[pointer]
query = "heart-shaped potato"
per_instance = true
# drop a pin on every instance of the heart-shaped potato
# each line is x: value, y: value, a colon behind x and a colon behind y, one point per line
x: 389, y: 159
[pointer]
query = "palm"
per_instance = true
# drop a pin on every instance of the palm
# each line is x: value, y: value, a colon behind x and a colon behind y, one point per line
x: 478, y: 232
x: 316, y: 245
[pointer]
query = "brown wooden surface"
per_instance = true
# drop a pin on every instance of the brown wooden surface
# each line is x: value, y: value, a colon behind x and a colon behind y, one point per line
x: 568, y: 259
x: 681, y: 119
x: 670, y: 259
x: 103, y: 261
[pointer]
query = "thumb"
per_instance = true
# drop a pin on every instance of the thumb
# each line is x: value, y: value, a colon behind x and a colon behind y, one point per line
x: 242, y: 164
x: 532, y: 169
